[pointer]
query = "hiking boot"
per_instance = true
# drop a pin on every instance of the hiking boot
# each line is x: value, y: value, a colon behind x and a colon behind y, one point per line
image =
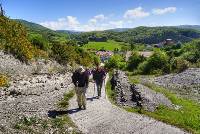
x: 84, y: 107
x: 79, y: 107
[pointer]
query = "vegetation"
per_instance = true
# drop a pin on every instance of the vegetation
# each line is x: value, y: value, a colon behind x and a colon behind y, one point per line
x: 144, y: 35
x: 64, y: 103
x: 116, y: 61
x: 38, y: 126
x: 13, y: 39
x: 134, y: 61
x: 3, y: 80
x: 109, y: 45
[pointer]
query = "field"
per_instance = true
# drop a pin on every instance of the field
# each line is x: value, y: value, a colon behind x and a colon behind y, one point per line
x: 109, y: 45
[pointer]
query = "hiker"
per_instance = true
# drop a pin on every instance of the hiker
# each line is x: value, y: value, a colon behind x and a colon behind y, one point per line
x: 99, y: 77
x: 81, y: 80
x: 113, y: 80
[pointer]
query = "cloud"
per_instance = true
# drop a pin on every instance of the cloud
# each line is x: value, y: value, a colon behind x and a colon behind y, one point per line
x: 116, y: 24
x: 97, y: 18
x: 136, y: 13
x: 159, y: 11
x: 69, y: 22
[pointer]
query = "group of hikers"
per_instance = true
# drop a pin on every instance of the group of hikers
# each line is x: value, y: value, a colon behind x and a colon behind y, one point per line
x: 80, y: 79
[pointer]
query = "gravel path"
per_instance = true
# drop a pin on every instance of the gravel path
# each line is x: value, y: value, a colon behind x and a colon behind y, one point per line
x: 101, y: 117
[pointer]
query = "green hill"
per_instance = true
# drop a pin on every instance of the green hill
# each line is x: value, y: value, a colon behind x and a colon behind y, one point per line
x: 48, y: 34
x: 145, y: 35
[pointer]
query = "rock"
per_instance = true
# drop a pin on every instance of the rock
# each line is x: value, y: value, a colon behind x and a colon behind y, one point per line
x: 137, y: 95
x: 15, y: 92
x: 186, y: 84
x: 57, y: 88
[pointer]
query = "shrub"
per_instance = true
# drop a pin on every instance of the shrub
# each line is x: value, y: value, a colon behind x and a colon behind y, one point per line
x: 3, y: 80
x: 158, y: 61
x: 134, y: 61
x: 38, y: 41
x: 179, y: 64
x: 191, y: 51
x: 114, y: 62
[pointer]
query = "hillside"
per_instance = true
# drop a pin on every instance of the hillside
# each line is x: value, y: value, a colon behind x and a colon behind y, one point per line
x: 48, y: 34
x: 145, y: 35
x: 195, y: 27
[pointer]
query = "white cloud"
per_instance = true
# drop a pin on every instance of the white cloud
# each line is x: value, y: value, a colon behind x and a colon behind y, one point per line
x: 116, y: 24
x: 159, y: 11
x: 69, y: 22
x: 136, y: 13
x: 97, y: 18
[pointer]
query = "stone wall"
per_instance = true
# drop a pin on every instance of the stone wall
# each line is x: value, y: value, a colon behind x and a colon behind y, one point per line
x: 136, y: 95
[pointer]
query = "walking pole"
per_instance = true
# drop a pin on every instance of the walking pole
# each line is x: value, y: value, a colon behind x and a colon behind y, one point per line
x: 94, y: 90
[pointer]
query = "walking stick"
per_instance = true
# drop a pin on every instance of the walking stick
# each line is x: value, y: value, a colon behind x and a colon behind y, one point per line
x: 94, y: 90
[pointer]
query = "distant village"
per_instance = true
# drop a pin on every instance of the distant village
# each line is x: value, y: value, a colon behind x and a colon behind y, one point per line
x: 106, y: 54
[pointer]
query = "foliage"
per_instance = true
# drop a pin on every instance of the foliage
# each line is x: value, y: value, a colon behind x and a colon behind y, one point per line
x: 179, y: 64
x: 134, y: 61
x: 3, y: 80
x: 64, y: 53
x: 97, y: 60
x: 14, y: 39
x: 38, y: 41
x: 47, y: 34
x: 157, y: 63
x: 116, y: 61
x: 190, y: 51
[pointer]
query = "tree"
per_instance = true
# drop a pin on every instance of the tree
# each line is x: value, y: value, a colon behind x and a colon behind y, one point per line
x: 134, y: 61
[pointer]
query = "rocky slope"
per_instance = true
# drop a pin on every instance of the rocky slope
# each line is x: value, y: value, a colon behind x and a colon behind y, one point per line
x: 33, y: 93
x: 186, y: 84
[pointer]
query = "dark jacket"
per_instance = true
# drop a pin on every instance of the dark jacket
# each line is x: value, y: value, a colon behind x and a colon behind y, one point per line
x: 98, y: 76
x: 80, y: 79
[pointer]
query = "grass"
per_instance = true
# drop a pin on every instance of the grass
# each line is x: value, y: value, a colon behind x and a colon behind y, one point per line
x: 60, y: 124
x: 110, y: 93
x: 109, y: 45
x: 64, y: 103
x: 186, y: 117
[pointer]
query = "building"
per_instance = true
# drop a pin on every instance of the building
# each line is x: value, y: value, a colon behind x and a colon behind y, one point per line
x: 104, y: 55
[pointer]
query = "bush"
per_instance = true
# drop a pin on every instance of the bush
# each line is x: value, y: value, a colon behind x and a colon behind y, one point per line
x: 134, y: 61
x: 38, y: 41
x: 114, y: 62
x: 158, y: 61
x: 179, y: 64
x: 64, y: 53
x: 191, y: 51
x: 14, y: 40
x: 3, y: 80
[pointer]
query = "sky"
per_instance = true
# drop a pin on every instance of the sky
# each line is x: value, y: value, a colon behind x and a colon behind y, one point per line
x: 90, y: 15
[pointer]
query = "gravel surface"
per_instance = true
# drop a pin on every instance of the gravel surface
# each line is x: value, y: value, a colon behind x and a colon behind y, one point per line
x: 101, y: 117
x: 186, y: 84
x: 31, y: 96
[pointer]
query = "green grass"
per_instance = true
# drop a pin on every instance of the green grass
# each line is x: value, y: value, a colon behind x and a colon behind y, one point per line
x: 109, y: 45
x: 110, y: 93
x: 64, y: 103
x: 186, y: 117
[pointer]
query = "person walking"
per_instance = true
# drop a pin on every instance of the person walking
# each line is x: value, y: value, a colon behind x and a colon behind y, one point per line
x: 81, y: 80
x: 99, y: 77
